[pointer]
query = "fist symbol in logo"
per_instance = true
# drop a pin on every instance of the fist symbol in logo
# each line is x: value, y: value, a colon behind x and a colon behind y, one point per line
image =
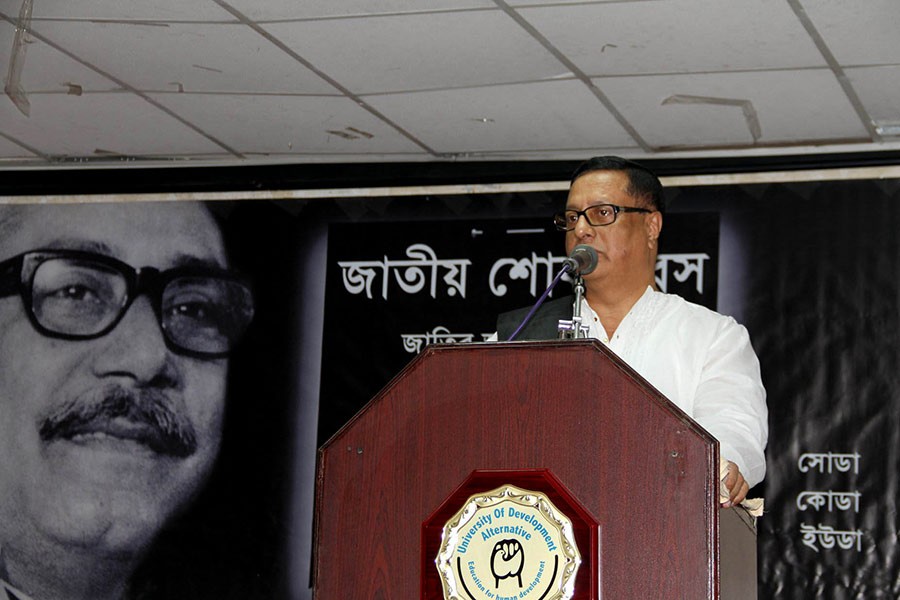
x: 507, y: 560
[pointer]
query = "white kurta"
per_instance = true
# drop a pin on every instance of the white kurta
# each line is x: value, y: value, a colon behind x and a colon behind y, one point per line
x: 704, y: 363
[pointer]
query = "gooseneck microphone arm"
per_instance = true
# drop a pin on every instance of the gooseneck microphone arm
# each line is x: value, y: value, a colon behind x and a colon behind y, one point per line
x: 582, y: 261
x: 538, y: 304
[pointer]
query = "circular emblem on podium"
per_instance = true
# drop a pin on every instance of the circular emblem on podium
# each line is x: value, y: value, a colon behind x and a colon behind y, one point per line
x: 507, y: 544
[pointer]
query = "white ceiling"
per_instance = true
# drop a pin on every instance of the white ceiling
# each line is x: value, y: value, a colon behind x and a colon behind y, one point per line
x: 113, y: 83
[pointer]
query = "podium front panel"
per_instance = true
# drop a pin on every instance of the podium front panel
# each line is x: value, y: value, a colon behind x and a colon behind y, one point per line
x: 643, y: 469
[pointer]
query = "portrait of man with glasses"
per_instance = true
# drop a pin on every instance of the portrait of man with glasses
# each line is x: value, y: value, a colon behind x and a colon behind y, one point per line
x: 701, y: 360
x: 116, y: 326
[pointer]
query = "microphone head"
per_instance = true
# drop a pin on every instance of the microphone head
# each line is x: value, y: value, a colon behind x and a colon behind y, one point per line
x: 584, y: 258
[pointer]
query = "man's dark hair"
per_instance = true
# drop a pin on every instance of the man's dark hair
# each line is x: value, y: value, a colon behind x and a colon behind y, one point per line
x: 642, y: 182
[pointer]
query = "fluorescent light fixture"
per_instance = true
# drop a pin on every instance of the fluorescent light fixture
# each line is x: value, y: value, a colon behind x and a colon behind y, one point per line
x: 887, y: 128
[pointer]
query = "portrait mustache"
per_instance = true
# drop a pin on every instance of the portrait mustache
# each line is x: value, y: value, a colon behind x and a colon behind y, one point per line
x: 147, y: 416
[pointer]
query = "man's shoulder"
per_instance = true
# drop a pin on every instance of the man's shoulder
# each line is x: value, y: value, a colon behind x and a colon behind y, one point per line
x: 675, y: 305
x: 543, y: 325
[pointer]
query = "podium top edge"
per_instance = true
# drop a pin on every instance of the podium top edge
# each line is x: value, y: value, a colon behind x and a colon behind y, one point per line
x: 585, y: 342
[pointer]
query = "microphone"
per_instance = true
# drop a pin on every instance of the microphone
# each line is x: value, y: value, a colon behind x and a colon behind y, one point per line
x: 582, y: 261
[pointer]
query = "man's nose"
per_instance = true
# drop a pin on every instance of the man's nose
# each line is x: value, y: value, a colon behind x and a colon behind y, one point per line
x: 136, y: 348
x: 582, y: 227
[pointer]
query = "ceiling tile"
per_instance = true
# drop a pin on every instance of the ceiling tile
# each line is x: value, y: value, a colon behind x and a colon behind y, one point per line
x: 289, y: 124
x: 533, y: 116
x: 676, y: 36
x: 858, y: 33
x: 310, y: 9
x: 94, y: 124
x: 10, y: 151
x: 791, y: 106
x: 146, y: 10
x: 416, y: 52
x: 45, y: 69
x: 516, y: 3
x: 879, y: 89
x: 193, y: 57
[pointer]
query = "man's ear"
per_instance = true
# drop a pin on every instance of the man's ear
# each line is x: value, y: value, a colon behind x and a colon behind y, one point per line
x: 653, y: 222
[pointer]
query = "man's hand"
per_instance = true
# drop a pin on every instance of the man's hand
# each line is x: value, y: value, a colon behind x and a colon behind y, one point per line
x: 736, y: 485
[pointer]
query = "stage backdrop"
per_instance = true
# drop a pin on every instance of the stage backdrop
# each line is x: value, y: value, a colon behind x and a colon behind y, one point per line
x: 811, y: 269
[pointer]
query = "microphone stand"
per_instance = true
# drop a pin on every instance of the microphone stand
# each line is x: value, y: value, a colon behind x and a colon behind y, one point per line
x: 574, y: 329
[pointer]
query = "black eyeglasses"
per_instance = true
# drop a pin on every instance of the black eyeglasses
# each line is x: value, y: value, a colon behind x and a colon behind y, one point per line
x: 77, y: 295
x: 596, y: 215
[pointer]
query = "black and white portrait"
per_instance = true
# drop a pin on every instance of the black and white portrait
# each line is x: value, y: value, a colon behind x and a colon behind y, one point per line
x: 143, y: 401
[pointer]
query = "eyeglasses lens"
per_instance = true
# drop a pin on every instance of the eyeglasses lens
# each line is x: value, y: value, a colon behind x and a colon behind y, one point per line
x: 599, y: 214
x: 602, y: 214
x: 75, y: 297
x: 204, y: 314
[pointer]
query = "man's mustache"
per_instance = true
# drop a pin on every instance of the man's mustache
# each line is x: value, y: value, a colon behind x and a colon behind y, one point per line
x: 145, y: 415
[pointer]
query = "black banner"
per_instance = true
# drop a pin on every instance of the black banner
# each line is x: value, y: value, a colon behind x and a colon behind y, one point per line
x: 393, y: 288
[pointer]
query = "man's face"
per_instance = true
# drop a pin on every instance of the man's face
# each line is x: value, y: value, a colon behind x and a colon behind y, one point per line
x: 626, y: 249
x: 100, y: 485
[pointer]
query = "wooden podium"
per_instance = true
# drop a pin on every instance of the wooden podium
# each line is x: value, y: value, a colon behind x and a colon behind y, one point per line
x: 644, y: 470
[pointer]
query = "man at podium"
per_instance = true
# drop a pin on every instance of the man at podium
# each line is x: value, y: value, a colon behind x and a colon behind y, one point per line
x: 701, y: 360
